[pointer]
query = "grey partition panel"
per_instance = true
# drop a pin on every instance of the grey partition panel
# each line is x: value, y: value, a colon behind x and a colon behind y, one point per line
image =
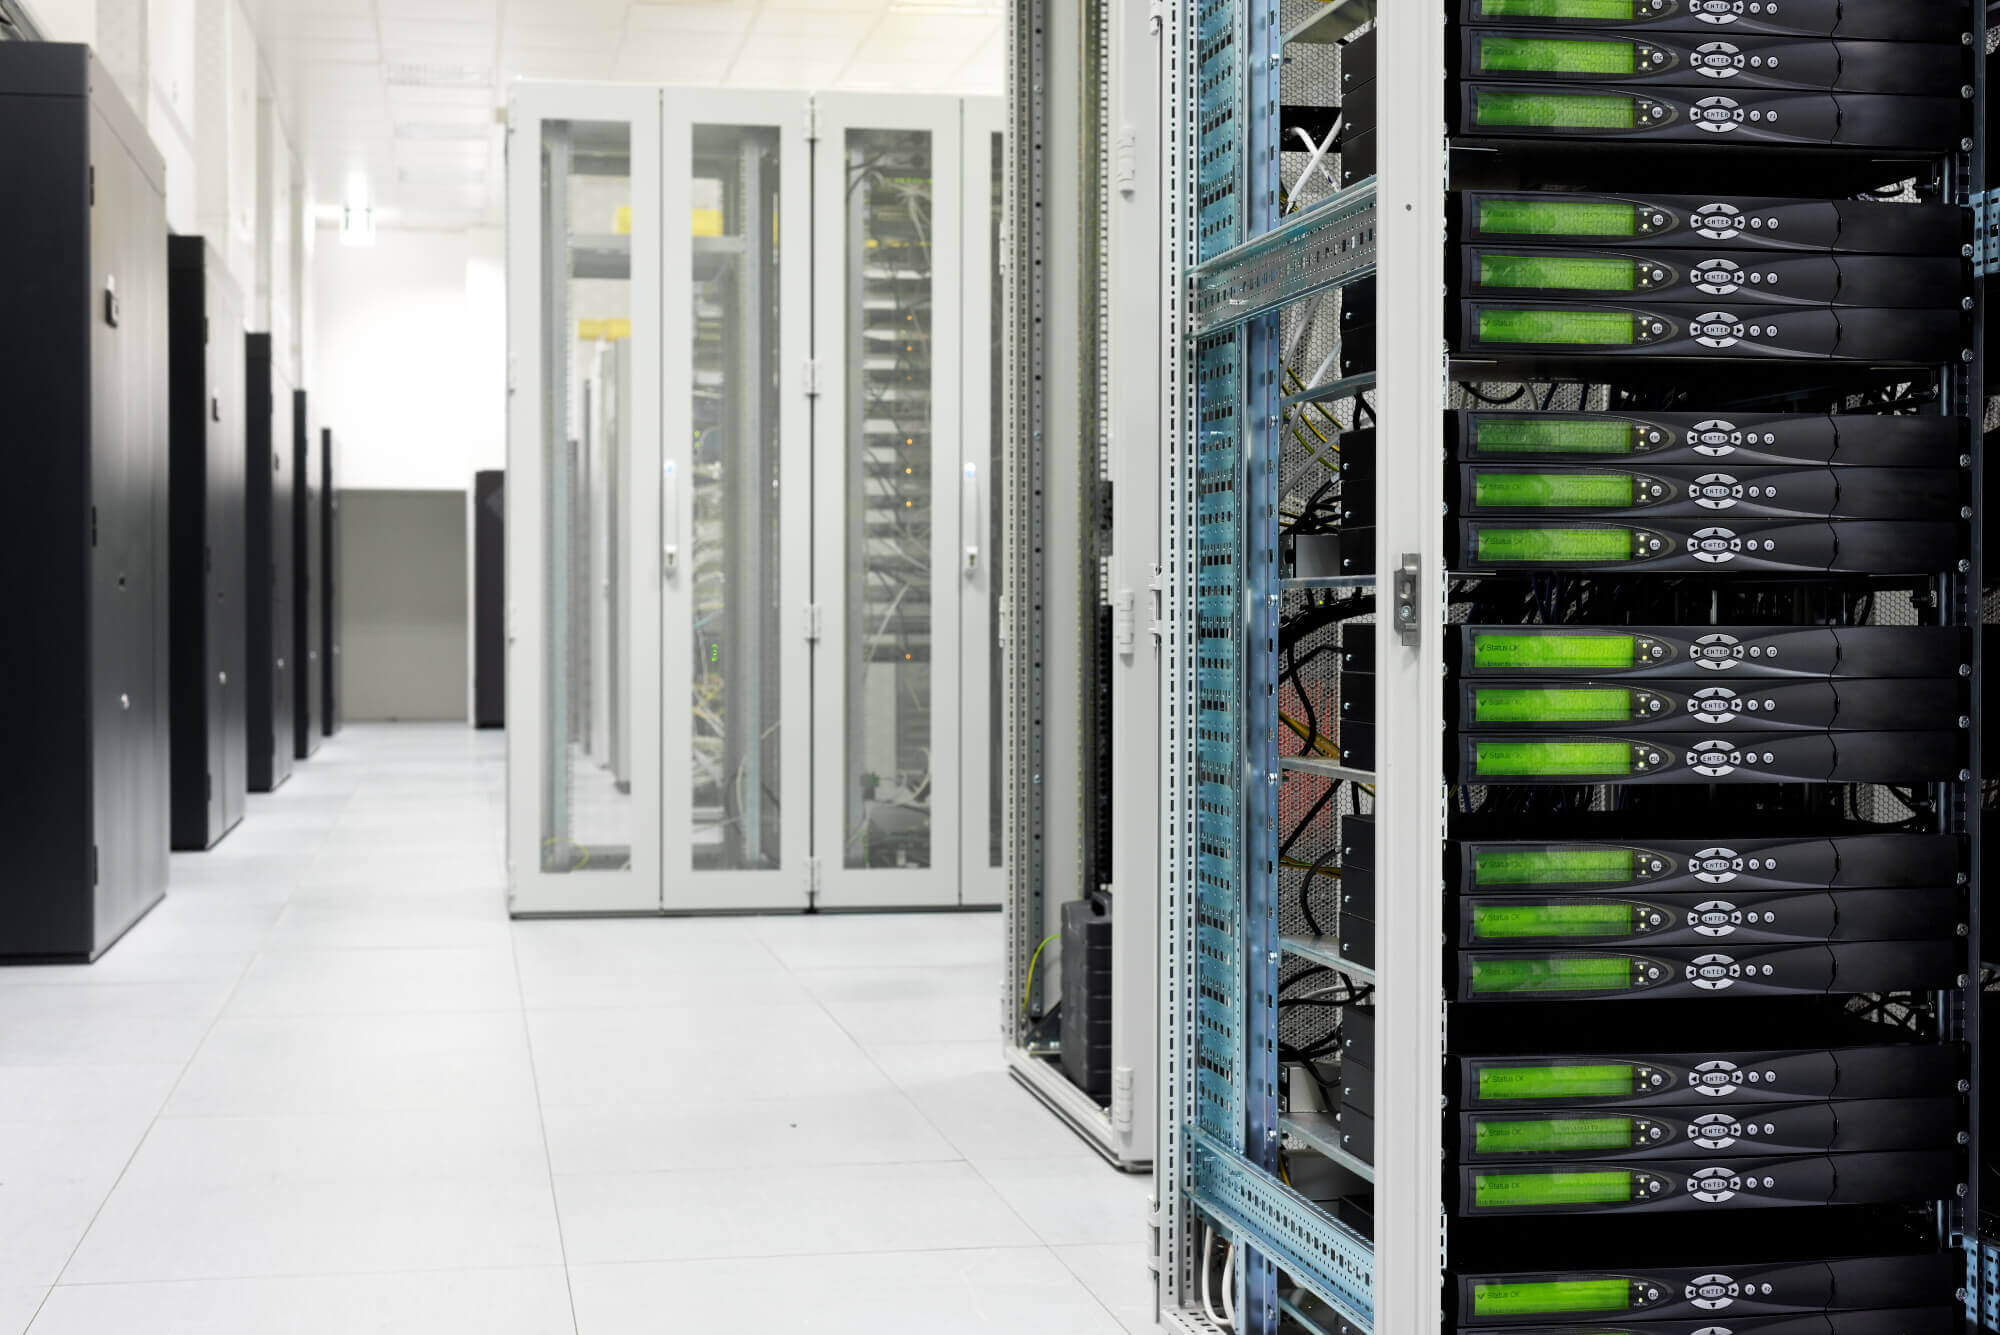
x: 206, y: 560
x: 307, y: 582
x: 83, y: 834
x: 489, y: 599
x: 329, y: 569
x: 268, y: 559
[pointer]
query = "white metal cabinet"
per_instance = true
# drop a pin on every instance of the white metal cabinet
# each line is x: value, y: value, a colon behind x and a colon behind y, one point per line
x: 888, y: 479
x: 584, y: 251
x: 737, y: 501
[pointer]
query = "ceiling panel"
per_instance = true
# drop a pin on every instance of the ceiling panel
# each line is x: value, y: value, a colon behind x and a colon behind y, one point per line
x: 402, y: 93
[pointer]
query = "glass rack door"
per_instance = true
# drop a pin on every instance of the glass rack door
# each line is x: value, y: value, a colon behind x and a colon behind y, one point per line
x: 584, y: 811
x: 737, y: 502
x: 888, y: 473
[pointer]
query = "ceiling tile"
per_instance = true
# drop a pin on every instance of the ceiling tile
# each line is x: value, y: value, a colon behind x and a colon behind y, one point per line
x: 675, y: 62
x: 677, y: 20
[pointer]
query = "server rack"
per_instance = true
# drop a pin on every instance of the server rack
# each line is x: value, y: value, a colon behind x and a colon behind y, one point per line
x: 1358, y: 1204
x: 329, y: 566
x: 270, y: 479
x: 85, y: 710
x: 207, y: 562
x: 1080, y: 481
x: 308, y: 581
x: 489, y: 598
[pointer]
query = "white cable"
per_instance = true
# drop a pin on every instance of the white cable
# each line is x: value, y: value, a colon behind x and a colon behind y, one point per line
x: 1207, y: 1250
x: 1318, y: 152
x: 1229, y: 1286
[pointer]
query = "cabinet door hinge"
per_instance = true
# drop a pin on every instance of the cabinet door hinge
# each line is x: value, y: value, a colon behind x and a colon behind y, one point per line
x: 815, y: 623
x: 813, y: 871
x: 812, y: 119
x: 812, y: 377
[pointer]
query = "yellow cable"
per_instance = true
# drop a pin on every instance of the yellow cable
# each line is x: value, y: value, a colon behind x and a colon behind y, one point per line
x: 1028, y: 987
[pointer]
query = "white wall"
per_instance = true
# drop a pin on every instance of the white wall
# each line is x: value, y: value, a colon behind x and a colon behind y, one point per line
x: 409, y: 353
x: 64, y: 20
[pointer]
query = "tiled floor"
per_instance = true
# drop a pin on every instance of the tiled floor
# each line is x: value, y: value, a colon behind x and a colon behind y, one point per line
x: 328, y: 1088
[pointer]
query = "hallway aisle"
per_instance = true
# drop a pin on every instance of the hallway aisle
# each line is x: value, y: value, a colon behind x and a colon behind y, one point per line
x: 328, y: 1088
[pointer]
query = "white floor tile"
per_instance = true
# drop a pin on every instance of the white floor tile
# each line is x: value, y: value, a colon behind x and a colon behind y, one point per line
x: 1117, y: 1274
x: 89, y: 1151
x: 389, y: 921
x: 753, y: 1211
x: 100, y: 1040
x: 1069, y: 1201
x: 844, y: 941
x: 18, y: 1306
x: 965, y: 1091
x: 291, y: 1227
x: 364, y: 982
x: 876, y: 1127
x: 456, y: 1302
x: 79, y: 1092
x: 502, y: 1142
x: 357, y: 1062
x: 1007, y: 1292
x: 28, y: 1003
x: 119, y: 968
x: 697, y: 1055
x: 40, y: 1225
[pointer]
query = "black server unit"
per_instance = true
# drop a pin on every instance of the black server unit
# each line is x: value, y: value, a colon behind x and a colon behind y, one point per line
x: 489, y: 599
x: 308, y: 583
x: 329, y: 566
x: 1712, y: 721
x: 268, y: 475
x: 207, y: 561
x: 84, y: 832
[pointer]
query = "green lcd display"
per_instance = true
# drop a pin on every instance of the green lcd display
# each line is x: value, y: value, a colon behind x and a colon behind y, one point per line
x: 1511, y: 1191
x: 1552, y: 973
x: 1551, y: 759
x: 1584, y: 329
x: 1586, y: 652
x: 1566, y: 217
x: 1552, y: 1296
x: 1553, y: 491
x: 1552, y: 435
x: 1555, y: 111
x: 1558, y: 9
x: 1551, y: 1135
x: 1556, y: 1082
x: 1524, y: 545
x: 1572, y: 273
x: 1513, y: 922
x: 1554, y: 55
x: 1554, y: 866
x: 1528, y: 704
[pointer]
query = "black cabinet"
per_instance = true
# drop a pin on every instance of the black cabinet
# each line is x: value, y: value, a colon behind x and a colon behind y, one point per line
x: 83, y: 356
x: 489, y: 599
x: 206, y: 562
x: 267, y: 494
x: 329, y: 584
x: 306, y: 581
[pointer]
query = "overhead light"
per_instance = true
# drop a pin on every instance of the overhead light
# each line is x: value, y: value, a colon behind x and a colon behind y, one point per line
x: 357, y: 225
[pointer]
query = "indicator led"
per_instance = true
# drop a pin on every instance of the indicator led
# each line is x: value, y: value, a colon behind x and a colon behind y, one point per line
x: 1587, y: 329
x: 1539, y: 652
x: 1550, y: 1135
x: 1525, y: 545
x: 1554, y: 55
x: 1533, y: 704
x: 1614, y: 1080
x: 1551, y: 759
x: 1496, y: 110
x: 1570, y: 273
x: 1554, y: 866
x: 1553, y: 491
x: 1513, y: 922
x: 1551, y: 973
x: 1550, y: 1297
x: 1505, y: 1191
x: 1558, y: 9
x: 1566, y: 217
